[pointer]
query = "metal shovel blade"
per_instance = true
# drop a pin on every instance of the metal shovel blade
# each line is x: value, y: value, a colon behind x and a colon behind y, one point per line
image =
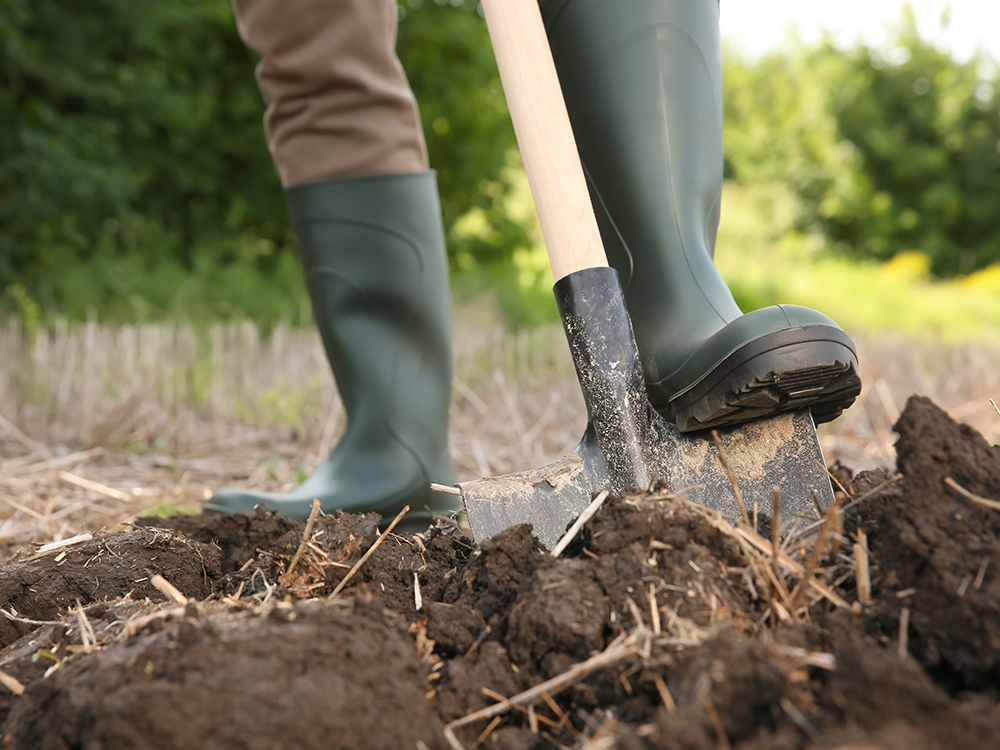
x: 628, y: 444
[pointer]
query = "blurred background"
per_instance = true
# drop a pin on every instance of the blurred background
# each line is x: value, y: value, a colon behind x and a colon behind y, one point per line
x: 155, y: 335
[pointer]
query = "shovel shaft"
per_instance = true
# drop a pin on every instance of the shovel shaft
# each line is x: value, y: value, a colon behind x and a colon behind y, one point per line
x: 544, y: 135
x: 592, y: 308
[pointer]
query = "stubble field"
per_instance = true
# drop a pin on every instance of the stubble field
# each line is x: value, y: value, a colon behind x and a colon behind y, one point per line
x: 661, y: 626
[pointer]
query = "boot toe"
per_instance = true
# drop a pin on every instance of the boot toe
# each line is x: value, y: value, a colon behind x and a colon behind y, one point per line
x: 812, y: 367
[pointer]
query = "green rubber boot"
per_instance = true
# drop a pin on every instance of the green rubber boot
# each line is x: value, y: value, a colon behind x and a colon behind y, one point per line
x: 643, y: 85
x: 373, y: 253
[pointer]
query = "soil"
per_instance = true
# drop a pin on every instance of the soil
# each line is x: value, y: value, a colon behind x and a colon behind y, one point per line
x: 704, y: 638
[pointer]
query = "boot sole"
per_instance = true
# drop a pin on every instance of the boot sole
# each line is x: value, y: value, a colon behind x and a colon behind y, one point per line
x: 814, y: 367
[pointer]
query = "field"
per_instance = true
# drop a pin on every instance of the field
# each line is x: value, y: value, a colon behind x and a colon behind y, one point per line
x: 661, y: 626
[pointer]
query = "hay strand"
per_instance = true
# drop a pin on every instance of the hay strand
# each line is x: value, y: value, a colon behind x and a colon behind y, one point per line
x: 732, y: 476
x: 587, y: 514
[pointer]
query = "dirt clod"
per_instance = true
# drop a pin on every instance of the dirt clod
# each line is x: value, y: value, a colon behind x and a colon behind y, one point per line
x: 329, y: 677
x: 938, y: 552
x: 118, y: 564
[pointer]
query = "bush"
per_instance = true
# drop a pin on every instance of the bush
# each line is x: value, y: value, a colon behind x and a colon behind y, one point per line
x: 135, y: 179
x: 884, y: 150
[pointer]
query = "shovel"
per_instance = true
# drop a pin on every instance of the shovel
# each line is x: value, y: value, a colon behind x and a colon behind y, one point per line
x: 626, y: 442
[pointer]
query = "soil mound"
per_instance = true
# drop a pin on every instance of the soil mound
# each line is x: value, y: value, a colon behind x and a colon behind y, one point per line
x: 936, y: 548
x: 328, y: 675
x: 662, y: 625
x: 116, y: 565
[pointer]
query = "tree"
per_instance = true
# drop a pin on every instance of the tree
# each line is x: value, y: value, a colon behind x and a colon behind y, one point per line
x: 885, y: 150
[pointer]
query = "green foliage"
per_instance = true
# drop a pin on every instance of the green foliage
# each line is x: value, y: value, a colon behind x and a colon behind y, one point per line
x: 519, y: 287
x: 135, y: 182
x: 135, y: 179
x: 883, y: 150
x: 498, y: 293
x: 129, y: 158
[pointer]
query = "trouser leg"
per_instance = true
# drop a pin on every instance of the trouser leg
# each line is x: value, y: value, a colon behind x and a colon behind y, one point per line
x: 338, y: 102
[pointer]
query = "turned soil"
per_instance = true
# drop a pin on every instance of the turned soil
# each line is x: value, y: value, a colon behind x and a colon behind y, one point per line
x: 691, y: 632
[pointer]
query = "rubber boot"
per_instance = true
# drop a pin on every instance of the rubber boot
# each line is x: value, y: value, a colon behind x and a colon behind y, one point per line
x: 374, y: 258
x: 643, y: 85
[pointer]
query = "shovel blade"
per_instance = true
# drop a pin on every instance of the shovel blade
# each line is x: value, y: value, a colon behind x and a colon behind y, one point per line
x: 781, y: 452
x: 628, y: 444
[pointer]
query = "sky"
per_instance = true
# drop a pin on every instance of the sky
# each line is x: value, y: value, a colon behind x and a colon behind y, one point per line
x: 754, y: 26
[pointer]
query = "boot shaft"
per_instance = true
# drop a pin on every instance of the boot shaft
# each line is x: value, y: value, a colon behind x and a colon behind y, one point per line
x: 372, y: 251
x: 643, y: 85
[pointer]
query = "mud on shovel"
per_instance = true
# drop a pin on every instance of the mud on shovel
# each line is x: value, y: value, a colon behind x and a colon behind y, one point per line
x: 626, y: 443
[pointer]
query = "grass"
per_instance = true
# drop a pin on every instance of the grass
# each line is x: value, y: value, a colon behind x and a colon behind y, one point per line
x: 172, y: 390
x: 864, y: 297
x: 178, y: 415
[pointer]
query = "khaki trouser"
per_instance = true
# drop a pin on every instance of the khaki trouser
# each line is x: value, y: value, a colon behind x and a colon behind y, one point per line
x: 338, y: 103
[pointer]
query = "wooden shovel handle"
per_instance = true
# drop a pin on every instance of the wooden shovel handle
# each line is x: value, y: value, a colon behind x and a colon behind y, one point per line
x: 544, y: 135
